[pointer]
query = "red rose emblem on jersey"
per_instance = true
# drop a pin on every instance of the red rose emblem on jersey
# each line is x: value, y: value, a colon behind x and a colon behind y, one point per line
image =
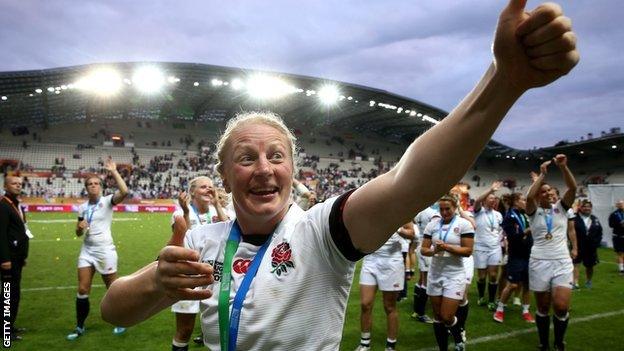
x: 241, y: 266
x: 280, y: 258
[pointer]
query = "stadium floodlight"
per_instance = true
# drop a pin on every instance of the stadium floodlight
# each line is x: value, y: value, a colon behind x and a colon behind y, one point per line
x: 173, y: 79
x: 329, y: 94
x: 581, y: 152
x: 371, y: 103
x: 4, y: 98
x: 237, y: 84
x: 51, y: 89
x: 429, y: 119
x: 216, y: 82
x: 148, y: 79
x: 102, y: 81
x: 614, y: 146
x: 265, y: 87
x: 195, y: 84
x: 38, y: 91
x: 400, y: 109
x: 412, y: 114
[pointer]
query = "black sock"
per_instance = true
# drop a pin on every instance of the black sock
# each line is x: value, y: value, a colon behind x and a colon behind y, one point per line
x: 481, y: 288
x: 441, y: 335
x: 82, y: 310
x: 543, y: 326
x: 415, y: 306
x: 462, y: 315
x: 419, y: 304
x: 456, y: 332
x: 560, y: 329
x: 492, y: 287
x: 179, y: 348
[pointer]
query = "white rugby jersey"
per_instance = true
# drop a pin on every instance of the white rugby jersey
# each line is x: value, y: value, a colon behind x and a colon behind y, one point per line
x: 546, y: 247
x: 196, y: 218
x: 445, y: 263
x: 423, y: 218
x: 298, y: 298
x: 390, y: 249
x: 100, y: 216
x: 488, y: 232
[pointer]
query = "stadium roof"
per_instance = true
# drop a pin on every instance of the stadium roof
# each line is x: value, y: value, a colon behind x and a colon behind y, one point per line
x: 200, y: 92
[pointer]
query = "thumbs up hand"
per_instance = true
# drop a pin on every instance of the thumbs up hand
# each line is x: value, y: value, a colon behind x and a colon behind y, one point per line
x: 179, y: 272
x: 533, y: 49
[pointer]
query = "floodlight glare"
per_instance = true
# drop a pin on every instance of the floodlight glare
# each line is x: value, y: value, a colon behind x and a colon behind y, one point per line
x: 329, y: 94
x: 148, y: 79
x: 4, y: 98
x: 237, y: 84
x: 51, y: 89
x: 38, y: 91
x: 103, y: 81
x: 265, y: 87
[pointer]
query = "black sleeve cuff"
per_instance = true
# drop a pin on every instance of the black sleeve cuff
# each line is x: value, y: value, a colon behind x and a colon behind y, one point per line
x: 426, y: 236
x: 339, y: 232
x: 467, y: 235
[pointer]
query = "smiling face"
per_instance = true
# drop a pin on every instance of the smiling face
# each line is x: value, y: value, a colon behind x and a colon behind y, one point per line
x: 545, y: 195
x: 491, y: 201
x: 258, y: 170
x: 202, y: 191
x: 447, y: 209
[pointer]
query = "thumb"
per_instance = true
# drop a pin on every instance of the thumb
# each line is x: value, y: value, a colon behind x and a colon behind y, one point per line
x: 515, y: 7
x: 179, y: 231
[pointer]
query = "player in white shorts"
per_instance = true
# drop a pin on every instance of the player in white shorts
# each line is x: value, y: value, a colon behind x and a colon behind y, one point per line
x: 550, y: 264
x: 487, y: 251
x: 98, y: 252
x: 420, y: 287
x: 448, y: 240
x: 294, y: 292
x: 383, y: 270
x: 203, y: 207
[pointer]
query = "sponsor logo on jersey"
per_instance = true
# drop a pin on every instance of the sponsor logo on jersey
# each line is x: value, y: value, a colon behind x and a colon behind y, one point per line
x: 241, y: 266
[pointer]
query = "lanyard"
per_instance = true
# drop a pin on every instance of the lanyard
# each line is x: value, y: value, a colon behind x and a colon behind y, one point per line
x: 19, y: 212
x: 549, y: 221
x: 447, y: 229
x: 490, y: 218
x: 228, y: 323
x: 90, y: 211
x: 519, y: 218
x: 199, y: 221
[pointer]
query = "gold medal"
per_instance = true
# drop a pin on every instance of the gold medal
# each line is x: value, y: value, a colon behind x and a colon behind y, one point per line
x: 548, y: 236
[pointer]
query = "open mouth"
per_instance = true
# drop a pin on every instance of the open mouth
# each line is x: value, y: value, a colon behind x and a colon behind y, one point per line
x: 265, y: 191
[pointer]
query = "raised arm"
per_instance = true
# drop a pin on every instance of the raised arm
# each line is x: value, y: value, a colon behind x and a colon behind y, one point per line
x: 122, y: 188
x: 531, y: 204
x: 523, y: 59
x: 568, y: 198
x: 491, y: 190
x: 407, y: 231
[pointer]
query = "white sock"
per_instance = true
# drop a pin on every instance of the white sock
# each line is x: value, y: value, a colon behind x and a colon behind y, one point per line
x: 525, y: 308
x: 501, y: 307
x: 365, y: 338
x: 178, y: 344
x: 621, y: 266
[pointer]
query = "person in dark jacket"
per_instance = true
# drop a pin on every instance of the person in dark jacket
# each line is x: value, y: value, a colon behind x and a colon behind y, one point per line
x: 519, y: 242
x: 13, y: 250
x: 616, y: 221
x: 588, y: 236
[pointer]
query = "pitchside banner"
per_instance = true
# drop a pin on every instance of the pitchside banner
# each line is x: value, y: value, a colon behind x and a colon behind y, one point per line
x: 118, y: 208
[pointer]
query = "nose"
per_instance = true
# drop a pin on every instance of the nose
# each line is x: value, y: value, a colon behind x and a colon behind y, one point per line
x: 263, y: 166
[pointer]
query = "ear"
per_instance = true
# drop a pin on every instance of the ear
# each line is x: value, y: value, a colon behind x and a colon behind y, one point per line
x: 226, y: 185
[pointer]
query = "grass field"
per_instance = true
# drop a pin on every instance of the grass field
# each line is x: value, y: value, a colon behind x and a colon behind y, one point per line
x: 49, y: 289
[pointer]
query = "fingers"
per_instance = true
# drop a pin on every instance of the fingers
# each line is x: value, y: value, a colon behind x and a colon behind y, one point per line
x: 179, y: 232
x: 549, y: 31
x: 184, y: 268
x: 563, y: 43
x: 176, y: 253
x: 561, y: 62
x: 189, y: 294
x: 540, y: 16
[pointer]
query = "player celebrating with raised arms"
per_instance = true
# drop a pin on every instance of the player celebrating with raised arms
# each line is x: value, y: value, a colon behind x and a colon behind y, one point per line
x: 95, y: 217
x: 550, y: 264
x: 264, y: 272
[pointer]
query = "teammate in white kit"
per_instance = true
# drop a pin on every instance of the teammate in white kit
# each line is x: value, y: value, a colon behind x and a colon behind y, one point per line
x: 550, y: 264
x: 203, y: 207
x: 383, y: 270
x: 98, y: 252
x: 487, y: 250
x: 420, y: 288
x: 447, y: 241
x: 294, y: 297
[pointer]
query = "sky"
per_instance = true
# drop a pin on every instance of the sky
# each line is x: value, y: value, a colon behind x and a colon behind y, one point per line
x: 430, y: 50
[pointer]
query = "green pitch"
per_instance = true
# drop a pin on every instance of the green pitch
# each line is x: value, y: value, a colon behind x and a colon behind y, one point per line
x: 49, y: 289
